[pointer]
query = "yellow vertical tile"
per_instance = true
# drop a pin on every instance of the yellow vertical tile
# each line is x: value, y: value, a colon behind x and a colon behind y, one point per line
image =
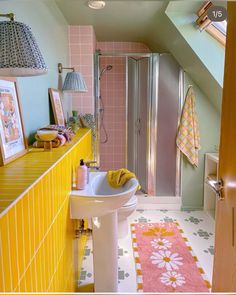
x: 33, y: 275
x: 43, y: 209
x: 22, y: 240
x: 52, y: 182
x: 22, y: 285
x: 48, y: 200
x: 38, y: 265
x: 45, y: 267
x: 6, y: 258
x: 46, y: 248
x: 55, y: 195
x: 28, y: 280
x: 26, y: 229
x: 37, y: 214
x: 42, y: 269
x: 31, y: 222
x: 56, y: 282
x: 17, y: 290
x: 50, y: 255
x: 15, y: 245
x: 2, y: 283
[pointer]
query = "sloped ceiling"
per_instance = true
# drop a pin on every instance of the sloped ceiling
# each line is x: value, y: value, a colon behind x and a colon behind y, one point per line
x: 150, y: 22
x: 118, y: 21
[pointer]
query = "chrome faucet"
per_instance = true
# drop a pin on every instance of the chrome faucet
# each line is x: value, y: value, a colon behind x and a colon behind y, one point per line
x: 90, y: 165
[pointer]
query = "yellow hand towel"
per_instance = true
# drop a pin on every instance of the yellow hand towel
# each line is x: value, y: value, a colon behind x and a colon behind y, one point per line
x: 119, y: 177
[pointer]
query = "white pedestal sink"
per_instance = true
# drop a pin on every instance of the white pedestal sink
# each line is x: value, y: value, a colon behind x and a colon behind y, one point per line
x: 100, y: 202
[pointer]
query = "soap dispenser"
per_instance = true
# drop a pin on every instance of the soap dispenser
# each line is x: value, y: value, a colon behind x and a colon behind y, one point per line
x: 81, y: 175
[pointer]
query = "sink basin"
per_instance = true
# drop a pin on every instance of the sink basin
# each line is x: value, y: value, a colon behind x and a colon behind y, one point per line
x: 100, y: 202
x: 99, y: 198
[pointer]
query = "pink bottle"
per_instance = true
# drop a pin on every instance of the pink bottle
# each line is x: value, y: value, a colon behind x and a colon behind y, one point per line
x: 81, y: 175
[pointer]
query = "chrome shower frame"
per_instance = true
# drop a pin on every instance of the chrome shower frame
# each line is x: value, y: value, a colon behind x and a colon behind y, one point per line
x: 152, y: 114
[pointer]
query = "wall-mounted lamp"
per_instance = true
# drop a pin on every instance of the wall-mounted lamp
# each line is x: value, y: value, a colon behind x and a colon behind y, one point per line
x: 19, y: 52
x: 74, y: 81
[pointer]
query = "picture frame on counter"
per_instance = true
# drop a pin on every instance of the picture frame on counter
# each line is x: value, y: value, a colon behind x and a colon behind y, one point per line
x: 57, y: 108
x: 13, y: 142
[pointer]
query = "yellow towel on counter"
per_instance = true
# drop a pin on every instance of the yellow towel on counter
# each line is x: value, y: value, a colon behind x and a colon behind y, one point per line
x: 119, y: 177
x: 188, y: 137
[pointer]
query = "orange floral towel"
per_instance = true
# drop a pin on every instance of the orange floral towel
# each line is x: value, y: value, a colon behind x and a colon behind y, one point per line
x: 188, y: 137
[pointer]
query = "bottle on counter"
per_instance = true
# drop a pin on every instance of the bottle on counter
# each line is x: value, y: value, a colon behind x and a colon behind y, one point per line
x: 81, y: 175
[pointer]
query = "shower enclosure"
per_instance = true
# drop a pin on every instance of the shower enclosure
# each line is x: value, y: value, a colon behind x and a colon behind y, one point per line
x: 138, y: 103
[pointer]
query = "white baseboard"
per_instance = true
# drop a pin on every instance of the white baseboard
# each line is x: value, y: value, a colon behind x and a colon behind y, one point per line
x: 149, y: 203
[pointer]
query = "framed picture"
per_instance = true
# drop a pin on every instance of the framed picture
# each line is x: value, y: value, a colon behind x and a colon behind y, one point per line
x: 55, y: 97
x: 12, y: 137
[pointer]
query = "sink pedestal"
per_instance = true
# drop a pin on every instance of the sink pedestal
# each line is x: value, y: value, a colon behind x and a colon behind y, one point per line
x: 100, y: 201
x: 105, y: 252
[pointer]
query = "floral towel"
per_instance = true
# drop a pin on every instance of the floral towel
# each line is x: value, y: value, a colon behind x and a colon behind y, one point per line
x: 188, y: 137
x: 165, y: 261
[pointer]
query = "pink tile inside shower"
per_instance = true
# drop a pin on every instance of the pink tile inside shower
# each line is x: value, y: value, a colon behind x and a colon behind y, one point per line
x: 82, y: 47
x: 113, y: 92
x: 112, y: 153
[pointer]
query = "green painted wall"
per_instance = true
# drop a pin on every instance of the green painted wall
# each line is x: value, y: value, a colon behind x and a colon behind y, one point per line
x: 51, y: 33
x: 209, y: 125
x: 210, y: 54
x: 207, y: 49
x: 178, y: 36
x: 169, y: 37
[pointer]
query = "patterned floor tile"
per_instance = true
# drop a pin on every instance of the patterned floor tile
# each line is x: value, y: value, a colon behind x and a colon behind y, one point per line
x: 198, y: 227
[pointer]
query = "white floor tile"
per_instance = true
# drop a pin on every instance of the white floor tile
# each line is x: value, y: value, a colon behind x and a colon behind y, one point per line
x: 198, y: 227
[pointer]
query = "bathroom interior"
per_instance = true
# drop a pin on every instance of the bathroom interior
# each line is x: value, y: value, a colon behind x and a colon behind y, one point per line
x: 122, y: 198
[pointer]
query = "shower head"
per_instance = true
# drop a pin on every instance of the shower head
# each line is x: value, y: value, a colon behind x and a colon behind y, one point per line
x: 107, y: 68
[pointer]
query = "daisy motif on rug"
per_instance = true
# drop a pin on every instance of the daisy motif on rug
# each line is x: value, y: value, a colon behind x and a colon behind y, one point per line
x: 165, y: 261
x: 161, y: 244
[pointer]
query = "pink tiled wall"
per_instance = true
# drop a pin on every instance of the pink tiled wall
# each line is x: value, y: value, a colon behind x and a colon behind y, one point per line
x: 112, y: 153
x: 82, y: 47
x: 113, y: 92
x: 83, y: 44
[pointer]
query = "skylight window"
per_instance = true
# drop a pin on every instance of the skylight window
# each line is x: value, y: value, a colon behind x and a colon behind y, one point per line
x: 215, y: 29
x: 221, y: 26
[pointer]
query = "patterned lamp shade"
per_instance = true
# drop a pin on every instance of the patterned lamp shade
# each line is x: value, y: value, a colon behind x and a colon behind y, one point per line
x: 74, y: 82
x: 19, y: 53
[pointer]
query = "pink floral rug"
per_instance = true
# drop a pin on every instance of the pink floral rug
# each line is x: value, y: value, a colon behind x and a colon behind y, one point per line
x: 165, y: 261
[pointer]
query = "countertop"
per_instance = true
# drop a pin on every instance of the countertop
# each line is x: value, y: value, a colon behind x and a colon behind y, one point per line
x: 17, y: 177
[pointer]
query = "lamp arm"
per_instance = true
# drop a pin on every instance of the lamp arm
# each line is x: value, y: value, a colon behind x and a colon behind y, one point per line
x: 60, y: 68
x: 11, y: 15
x: 68, y: 68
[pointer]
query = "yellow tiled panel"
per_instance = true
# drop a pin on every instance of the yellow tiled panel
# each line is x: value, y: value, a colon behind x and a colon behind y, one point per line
x: 33, y: 272
x: 26, y: 229
x: 1, y: 265
x: 5, y: 256
x: 44, y: 240
x: 43, y: 207
x: 14, y: 246
x: 22, y: 285
x: 37, y: 220
x: 31, y: 222
x: 20, y: 236
x: 28, y: 281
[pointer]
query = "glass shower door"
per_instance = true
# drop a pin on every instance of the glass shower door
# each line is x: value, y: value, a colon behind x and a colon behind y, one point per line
x: 138, y: 91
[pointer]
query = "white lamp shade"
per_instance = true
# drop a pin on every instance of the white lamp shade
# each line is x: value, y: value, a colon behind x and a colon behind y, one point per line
x: 19, y: 52
x: 74, y: 82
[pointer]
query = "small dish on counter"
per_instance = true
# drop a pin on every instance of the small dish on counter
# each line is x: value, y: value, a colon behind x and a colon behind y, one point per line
x: 47, y: 136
